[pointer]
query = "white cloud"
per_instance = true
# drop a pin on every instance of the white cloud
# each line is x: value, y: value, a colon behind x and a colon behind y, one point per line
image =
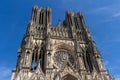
x: 111, y: 40
x: 103, y: 9
x: 5, y: 73
x: 116, y: 14
x: 110, y: 12
x: 106, y: 63
x: 117, y: 77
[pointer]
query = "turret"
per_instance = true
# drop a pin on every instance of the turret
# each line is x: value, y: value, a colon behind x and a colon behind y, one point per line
x: 41, y: 16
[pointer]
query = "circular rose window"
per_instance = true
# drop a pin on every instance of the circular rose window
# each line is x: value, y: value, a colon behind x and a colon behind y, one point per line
x: 61, y: 57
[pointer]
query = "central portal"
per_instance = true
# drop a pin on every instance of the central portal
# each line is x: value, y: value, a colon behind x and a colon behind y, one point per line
x: 69, y: 77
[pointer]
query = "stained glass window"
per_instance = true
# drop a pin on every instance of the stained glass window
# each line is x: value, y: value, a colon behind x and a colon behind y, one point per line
x: 60, y: 57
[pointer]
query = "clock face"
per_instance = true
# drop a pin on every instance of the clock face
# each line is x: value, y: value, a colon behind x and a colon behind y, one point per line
x: 60, y: 57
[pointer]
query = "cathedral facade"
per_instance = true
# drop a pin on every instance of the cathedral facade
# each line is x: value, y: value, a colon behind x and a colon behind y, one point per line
x: 62, y: 52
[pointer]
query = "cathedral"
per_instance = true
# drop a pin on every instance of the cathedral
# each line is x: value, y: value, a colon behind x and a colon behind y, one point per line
x: 62, y: 52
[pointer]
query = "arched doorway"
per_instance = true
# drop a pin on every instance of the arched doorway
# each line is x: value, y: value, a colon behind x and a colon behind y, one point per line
x: 69, y: 77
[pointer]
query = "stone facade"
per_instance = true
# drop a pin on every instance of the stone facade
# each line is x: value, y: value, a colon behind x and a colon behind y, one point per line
x: 62, y: 52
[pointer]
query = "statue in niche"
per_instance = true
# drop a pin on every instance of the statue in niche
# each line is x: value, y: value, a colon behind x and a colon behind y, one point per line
x: 100, y: 63
x: 57, y: 77
x: 63, y: 34
x: 57, y: 33
x: 81, y: 62
x: 49, y: 60
x: 27, y: 59
x: 53, y: 32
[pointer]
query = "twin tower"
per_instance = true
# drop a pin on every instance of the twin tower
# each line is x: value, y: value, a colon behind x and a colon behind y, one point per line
x: 62, y: 52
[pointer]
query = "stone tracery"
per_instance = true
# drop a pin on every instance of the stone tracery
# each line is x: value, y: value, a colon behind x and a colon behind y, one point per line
x: 63, y: 52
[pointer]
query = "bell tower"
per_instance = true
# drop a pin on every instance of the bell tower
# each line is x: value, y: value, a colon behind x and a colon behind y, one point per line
x: 62, y: 52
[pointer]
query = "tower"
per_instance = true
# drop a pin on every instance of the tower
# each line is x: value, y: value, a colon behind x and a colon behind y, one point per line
x: 62, y: 52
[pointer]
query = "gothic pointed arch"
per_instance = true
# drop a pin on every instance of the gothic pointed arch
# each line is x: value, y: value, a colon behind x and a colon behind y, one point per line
x: 42, y: 55
x: 67, y: 69
x: 89, y: 61
x: 38, y: 74
x: 69, y: 77
x: 35, y: 56
x: 63, y: 52
x: 65, y: 46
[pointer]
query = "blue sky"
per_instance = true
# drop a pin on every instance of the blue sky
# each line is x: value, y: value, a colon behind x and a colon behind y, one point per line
x: 102, y: 18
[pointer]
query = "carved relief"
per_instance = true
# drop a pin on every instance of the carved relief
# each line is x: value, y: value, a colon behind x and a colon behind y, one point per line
x: 62, y: 52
